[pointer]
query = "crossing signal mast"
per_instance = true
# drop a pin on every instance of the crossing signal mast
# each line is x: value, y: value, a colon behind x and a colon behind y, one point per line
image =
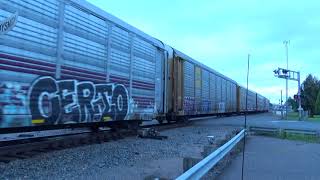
x: 294, y: 76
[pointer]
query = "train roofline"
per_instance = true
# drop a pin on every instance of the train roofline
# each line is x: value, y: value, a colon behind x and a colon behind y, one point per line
x: 109, y: 17
x: 184, y: 56
x: 252, y: 91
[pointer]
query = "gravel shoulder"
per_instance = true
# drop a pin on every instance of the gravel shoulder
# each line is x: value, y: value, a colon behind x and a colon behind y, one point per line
x: 129, y: 158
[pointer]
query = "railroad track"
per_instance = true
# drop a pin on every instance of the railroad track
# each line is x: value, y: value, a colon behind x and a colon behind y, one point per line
x: 27, y: 148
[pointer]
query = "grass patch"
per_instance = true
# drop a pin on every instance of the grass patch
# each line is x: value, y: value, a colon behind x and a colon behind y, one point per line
x: 295, y: 116
x: 315, y: 118
x: 311, y: 138
x: 302, y: 137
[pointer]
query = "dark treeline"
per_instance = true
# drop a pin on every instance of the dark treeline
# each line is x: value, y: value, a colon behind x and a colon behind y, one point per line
x: 310, y: 96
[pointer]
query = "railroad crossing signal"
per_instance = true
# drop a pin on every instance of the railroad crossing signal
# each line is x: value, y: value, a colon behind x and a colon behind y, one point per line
x: 287, y: 74
x: 291, y: 75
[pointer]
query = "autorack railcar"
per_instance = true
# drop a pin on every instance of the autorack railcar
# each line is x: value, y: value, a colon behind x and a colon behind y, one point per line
x: 195, y: 89
x: 66, y: 63
x: 69, y: 62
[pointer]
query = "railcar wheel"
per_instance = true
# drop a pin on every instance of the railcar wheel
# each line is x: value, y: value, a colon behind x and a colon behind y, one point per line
x: 183, y: 119
x: 160, y: 121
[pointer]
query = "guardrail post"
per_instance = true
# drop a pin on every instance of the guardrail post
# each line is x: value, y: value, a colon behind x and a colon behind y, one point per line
x: 281, y: 133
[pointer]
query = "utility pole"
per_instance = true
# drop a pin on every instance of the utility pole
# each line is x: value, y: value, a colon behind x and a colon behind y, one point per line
x: 300, y: 109
x: 287, y: 55
x: 281, y: 105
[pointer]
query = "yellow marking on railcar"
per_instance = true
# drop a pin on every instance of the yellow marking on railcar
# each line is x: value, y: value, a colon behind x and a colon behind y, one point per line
x: 37, y: 121
x: 106, y: 118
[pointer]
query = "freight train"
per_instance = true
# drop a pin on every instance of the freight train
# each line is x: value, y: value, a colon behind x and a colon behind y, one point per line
x: 67, y: 63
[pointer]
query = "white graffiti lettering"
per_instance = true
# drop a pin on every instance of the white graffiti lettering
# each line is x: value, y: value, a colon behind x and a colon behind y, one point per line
x: 70, y: 101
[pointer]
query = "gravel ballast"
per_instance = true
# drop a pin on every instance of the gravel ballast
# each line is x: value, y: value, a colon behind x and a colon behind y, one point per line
x: 129, y: 158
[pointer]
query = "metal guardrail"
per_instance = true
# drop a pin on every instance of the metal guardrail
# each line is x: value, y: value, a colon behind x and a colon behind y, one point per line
x: 263, y: 129
x: 200, y: 169
x: 285, y: 130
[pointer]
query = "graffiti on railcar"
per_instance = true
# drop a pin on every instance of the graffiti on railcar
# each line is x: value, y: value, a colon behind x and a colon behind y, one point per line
x: 7, y: 24
x: 69, y: 101
x: 189, y: 105
x: 47, y: 101
x: 13, y: 104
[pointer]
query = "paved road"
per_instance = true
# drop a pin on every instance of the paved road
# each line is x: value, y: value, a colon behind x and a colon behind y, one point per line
x: 269, y: 158
x: 267, y: 120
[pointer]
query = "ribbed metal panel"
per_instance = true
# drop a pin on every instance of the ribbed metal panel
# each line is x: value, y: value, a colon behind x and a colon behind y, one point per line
x: 159, y: 83
x: 224, y: 95
x: 231, y: 98
x: 218, y: 91
x: 47, y: 8
x: 144, y: 61
x: 85, y: 22
x: 251, y: 101
x: 260, y: 103
x: 227, y: 96
x: 144, y: 70
x: 120, y: 38
x: 83, y: 53
x: 205, y: 92
x: 26, y: 51
x: 198, y: 91
x: 213, y: 92
x: 29, y: 38
x: 144, y: 49
x: 189, y: 87
x: 234, y: 99
x: 189, y: 79
x: 120, y: 57
x: 241, y: 99
x: 144, y: 73
x: 67, y: 40
x: 119, y: 63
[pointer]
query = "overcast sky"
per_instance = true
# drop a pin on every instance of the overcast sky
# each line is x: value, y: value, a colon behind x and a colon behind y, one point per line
x: 220, y: 34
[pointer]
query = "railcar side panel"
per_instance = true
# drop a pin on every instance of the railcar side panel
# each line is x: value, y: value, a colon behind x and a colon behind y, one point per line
x: 223, y: 103
x: 205, y: 92
x: 218, y: 93
x: 234, y: 97
x: 62, y: 63
x: 189, y: 88
x: 198, y: 91
x: 227, y: 96
x: 68, y: 62
x: 243, y: 99
x: 213, y: 92
x: 260, y: 103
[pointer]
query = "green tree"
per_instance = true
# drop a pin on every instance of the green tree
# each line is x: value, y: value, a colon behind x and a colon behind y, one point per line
x: 309, y: 93
x: 317, y: 105
x: 293, y: 103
